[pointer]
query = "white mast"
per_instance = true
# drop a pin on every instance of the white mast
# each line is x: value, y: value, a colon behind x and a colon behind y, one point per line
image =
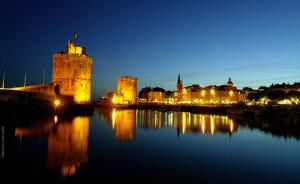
x: 25, y: 78
x: 43, y: 76
x: 3, y: 79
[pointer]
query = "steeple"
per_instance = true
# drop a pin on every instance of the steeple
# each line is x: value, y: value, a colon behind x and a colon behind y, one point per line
x: 230, y: 83
x: 179, y: 83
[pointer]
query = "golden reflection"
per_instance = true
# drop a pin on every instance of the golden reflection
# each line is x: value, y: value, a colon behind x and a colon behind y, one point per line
x: 183, y: 122
x: 67, y: 142
x: 68, y: 146
x: 113, y: 118
x: 55, y: 119
x: 212, y: 124
x: 231, y: 125
x: 123, y: 122
x: 203, y: 124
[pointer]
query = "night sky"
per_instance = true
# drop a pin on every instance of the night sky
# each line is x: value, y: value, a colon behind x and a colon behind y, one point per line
x: 253, y: 42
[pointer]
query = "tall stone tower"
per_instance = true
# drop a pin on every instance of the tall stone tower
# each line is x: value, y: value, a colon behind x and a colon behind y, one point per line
x: 72, y: 71
x: 126, y: 92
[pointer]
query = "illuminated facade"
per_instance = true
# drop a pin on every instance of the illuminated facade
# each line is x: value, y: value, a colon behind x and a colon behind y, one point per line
x: 72, y: 73
x: 127, y: 91
x: 224, y: 94
x: 157, y: 96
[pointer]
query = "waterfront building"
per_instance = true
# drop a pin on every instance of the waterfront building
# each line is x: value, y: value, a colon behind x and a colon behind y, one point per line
x: 127, y: 91
x: 156, y: 95
x: 72, y: 73
x: 144, y: 94
x: 212, y: 94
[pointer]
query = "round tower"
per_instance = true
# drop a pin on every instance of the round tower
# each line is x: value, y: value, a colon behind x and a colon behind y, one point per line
x: 127, y: 86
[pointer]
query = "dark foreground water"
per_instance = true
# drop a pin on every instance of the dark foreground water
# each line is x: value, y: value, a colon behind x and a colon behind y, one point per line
x: 139, y: 146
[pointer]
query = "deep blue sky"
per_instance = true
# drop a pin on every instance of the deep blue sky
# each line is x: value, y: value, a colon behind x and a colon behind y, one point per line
x: 254, y: 42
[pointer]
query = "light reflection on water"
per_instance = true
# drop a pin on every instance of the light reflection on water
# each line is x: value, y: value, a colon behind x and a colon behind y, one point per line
x: 67, y: 142
x: 75, y: 146
x: 124, y: 122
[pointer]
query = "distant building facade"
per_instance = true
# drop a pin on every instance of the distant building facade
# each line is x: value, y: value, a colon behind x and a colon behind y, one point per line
x: 156, y: 95
x: 224, y: 94
x: 72, y: 73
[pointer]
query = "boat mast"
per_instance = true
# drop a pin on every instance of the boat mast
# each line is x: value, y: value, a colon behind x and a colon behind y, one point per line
x: 3, y: 79
x: 25, y: 78
x: 43, y: 76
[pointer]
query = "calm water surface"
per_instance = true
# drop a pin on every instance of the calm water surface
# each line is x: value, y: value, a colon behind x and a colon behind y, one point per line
x: 143, y: 146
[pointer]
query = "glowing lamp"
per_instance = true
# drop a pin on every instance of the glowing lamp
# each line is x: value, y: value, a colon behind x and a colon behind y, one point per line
x: 56, y: 103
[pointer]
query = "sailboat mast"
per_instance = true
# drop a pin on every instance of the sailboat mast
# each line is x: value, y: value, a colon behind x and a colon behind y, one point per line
x: 3, y: 80
x: 25, y: 78
x: 44, y: 76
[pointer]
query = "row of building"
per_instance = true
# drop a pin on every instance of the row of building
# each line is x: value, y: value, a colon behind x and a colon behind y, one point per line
x: 195, y: 94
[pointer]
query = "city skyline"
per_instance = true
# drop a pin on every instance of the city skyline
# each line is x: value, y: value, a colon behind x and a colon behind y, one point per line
x: 255, y: 43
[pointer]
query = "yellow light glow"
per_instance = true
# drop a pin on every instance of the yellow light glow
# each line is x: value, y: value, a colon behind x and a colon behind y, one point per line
x: 113, y: 118
x: 55, y: 119
x: 231, y: 93
x: 231, y: 125
x: 285, y: 102
x: 212, y: 124
x: 212, y: 92
x: 203, y: 124
x: 203, y: 93
x: 56, y: 102
x: 81, y: 97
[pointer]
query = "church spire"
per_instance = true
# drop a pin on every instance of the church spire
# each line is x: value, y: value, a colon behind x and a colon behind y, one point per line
x: 179, y: 83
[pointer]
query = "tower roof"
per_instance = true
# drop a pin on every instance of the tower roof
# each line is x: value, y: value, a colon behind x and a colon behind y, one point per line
x: 229, y: 82
x: 179, y: 80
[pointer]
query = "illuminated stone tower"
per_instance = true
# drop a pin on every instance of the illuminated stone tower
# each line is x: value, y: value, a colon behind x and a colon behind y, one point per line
x: 127, y: 87
x: 72, y: 71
